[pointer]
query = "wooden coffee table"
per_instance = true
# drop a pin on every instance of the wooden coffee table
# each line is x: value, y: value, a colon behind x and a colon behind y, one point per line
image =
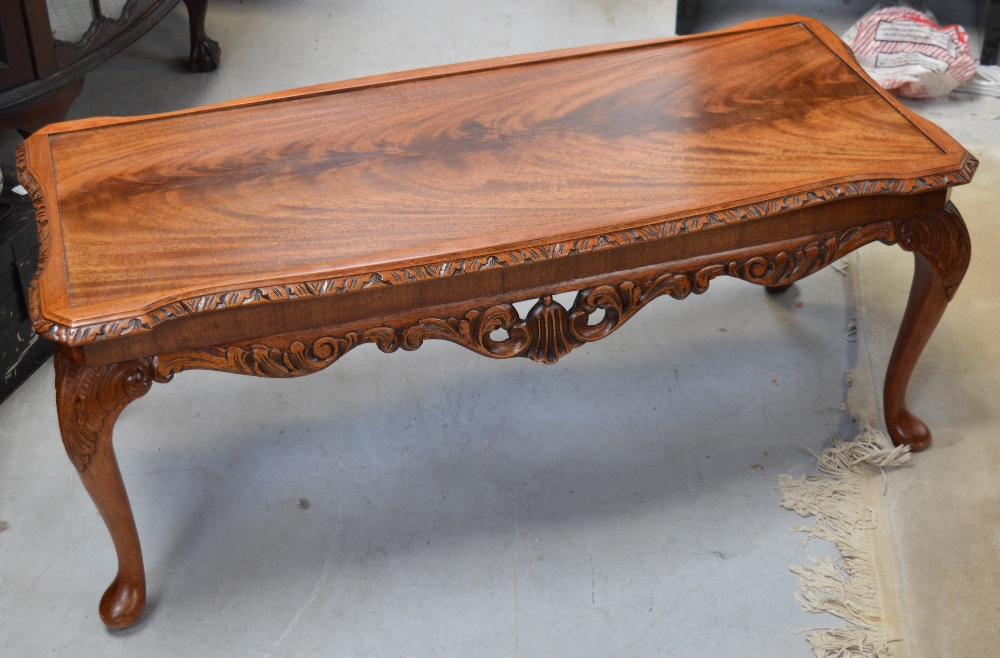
x: 271, y: 235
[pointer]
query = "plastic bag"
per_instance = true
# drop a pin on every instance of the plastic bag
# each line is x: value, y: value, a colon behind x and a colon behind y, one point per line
x: 904, y: 49
x: 986, y: 82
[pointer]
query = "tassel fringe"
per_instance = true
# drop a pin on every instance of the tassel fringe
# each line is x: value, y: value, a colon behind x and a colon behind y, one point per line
x: 842, y: 502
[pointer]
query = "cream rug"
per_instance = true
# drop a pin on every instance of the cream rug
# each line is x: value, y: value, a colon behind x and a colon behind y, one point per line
x: 918, y: 574
x: 944, y: 507
x: 846, y: 500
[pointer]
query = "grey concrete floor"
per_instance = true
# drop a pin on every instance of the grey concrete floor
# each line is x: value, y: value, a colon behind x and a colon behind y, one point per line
x: 437, y: 503
x: 618, y: 504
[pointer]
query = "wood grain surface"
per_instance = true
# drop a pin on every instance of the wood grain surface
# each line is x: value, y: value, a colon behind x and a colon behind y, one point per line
x: 450, y: 170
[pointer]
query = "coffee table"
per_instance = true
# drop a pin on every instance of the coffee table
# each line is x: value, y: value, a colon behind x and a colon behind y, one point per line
x: 269, y: 236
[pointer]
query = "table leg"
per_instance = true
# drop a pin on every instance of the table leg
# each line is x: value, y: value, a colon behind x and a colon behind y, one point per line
x: 941, y: 248
x: 205, y: 52
x: 89, y: 400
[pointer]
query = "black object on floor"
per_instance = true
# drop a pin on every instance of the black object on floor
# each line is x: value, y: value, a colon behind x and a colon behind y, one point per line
x: 991, y: 33
x: 22, y: 351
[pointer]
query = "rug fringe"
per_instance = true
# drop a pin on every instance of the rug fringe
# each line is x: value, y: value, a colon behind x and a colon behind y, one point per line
x: 839, y: 498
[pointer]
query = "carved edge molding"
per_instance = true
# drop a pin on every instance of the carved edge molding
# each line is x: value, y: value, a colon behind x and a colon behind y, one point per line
x: 90, y: 398
x: 42, y: 223
x: 550, y: 331
x: 217, y: 301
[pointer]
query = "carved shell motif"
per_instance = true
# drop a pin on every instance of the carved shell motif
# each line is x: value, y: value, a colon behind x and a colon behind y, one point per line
x: 549, y: 328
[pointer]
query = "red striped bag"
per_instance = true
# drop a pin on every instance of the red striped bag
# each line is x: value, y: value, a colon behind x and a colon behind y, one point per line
x: 904, y: 49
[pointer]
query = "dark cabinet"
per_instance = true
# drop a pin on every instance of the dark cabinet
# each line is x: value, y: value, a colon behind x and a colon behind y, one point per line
x: 41, y: 74
x: 15, y: 57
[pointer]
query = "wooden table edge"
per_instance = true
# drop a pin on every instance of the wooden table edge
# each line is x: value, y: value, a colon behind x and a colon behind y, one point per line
x: 54, y: 317
x: 57, y: 323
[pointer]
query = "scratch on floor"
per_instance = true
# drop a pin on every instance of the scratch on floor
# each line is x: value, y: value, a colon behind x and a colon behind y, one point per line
x: 313, y: 595
x: 517, y: 647
x: 169, y: 471
x: 71, y: 546
x: 421, y: 418
x: 593, y: 597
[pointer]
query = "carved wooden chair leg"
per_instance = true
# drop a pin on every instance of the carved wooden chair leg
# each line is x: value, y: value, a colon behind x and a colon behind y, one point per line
x: 941, y: 249
x: 89, y: 400
x: 776, y: 290
x: 205, y: 52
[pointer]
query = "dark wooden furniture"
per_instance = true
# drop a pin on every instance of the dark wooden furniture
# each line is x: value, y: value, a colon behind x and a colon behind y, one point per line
x: 271, y: 235
x: 991, y: 33
x: 41, y: 76
x: 22, y: 351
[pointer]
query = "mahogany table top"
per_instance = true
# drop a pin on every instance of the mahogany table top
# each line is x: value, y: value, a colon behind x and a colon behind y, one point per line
x: 430, y: 173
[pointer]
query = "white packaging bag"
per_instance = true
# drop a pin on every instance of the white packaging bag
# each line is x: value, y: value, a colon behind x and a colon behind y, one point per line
x: 904, y: 49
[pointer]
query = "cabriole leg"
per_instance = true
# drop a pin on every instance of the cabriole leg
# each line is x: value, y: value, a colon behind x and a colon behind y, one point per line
x: 89, y: 400
x: 941, y: 248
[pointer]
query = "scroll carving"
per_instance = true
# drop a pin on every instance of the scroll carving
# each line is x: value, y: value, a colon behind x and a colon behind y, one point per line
x: 549, y: 331
x: 90, y: 398
x: 295, y: 359
x: 474, y: 330
x: 944, y: 241
x: 303, y: 289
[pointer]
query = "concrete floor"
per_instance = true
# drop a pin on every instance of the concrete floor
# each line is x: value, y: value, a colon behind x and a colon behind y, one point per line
x: 619, y: 504
x: 436, y: 503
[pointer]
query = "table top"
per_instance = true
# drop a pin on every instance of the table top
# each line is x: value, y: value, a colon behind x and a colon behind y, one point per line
x: 401, y: 177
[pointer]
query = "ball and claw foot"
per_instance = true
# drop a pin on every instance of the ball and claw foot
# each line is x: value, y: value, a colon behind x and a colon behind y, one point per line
x: 204, y: 56
x: 205, y: 52
x: 123, y: 603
